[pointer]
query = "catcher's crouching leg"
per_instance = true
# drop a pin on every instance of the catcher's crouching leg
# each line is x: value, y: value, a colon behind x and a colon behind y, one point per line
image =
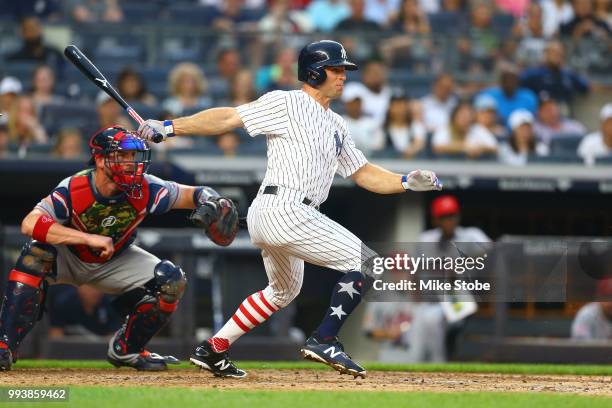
x: 149, y: 309
x: 24, y: 297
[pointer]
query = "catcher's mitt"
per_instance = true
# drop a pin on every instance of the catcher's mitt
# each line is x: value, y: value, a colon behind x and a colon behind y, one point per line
x: 218, y: 217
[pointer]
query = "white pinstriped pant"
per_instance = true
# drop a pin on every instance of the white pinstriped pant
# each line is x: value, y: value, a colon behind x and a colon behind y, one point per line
x: 289, y: 233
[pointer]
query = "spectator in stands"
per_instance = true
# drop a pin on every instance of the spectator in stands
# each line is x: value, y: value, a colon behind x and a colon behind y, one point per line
x: 552, y: 77
x: 585, y: 22
x: 93, y: 11
x: 479, y: 40
x: 242, y: 88
x: 131, y: 86
x: 82, y: 311
x: 365, y: 131
x: 68, y: 144
x: 33, y: 48
x: 517, y: 8
x: 382, y: 12
x: 522, y: 144
x: 281, y: 19
x: 551, y: 124
x: 557, y: 12
x: 374, y: 90
x: 438, y: 105
x: 509, y: 96
x: 411, y: 44
x: 10, y: 89
x: 25, y: 128
x: 326, y: 14
x: 187, y: 86
x: 109, y: 114
x: 456, y: 139
x: 228, y: 65
x: 357, y: 20
x: 594, y: 320
x: 403, y: 129
x: 529, y: 31
x: 228, y: 143
x: 356, y: 33
x: 232, y: 16
x: 43, y: 85
x: 486, y: 126
x: 598, y: 144
x: 603, y: 11
x: 280, y: 75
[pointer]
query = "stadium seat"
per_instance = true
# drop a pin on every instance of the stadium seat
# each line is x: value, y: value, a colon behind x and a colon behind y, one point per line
x: 604, y: 161
x: 558, y: 158
x: 565, y: 144
x: 56, y: 116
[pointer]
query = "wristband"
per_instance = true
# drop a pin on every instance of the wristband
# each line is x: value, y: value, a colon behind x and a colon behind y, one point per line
x: 169, y: 128
x: 405, y: 182
x: 44, y: 222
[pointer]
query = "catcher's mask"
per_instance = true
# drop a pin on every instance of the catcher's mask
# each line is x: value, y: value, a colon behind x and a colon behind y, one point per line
x: 127, y: 156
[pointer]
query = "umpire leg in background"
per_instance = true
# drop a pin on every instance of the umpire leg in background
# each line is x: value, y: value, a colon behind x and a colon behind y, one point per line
x: 148, y: 292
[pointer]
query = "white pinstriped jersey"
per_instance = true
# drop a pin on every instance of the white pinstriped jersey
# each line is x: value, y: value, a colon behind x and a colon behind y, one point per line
x: 307, y: 144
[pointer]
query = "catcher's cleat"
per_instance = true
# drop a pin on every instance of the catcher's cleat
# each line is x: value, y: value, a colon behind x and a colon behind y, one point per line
x: 332, y: 353
x: 143, y: 361
x: 6, y: 359
x: 217, y: 363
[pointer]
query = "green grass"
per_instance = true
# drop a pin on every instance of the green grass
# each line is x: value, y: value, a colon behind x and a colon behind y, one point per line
x: 151, y: 397
x: 559, y: 369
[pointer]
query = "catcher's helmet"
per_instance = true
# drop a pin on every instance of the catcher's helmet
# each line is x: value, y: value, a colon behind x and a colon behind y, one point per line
x: 127, y: 170
x: 320, y: 54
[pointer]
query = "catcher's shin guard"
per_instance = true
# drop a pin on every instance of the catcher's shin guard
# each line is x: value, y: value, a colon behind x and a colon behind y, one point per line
x: 149, y: 315
x: 24, y: 297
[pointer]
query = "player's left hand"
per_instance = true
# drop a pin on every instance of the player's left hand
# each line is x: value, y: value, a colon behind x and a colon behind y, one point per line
x: 218, y: 216
x: 423, y: 180
x: 153, y: 130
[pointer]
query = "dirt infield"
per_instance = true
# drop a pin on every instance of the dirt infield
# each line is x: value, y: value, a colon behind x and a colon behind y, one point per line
x: 301, y: 379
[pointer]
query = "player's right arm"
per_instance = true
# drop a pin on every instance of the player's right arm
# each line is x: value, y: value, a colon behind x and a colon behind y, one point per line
x: 57, y: 234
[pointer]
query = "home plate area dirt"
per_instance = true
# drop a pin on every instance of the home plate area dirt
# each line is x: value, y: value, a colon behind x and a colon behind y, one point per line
x: 304, y: 379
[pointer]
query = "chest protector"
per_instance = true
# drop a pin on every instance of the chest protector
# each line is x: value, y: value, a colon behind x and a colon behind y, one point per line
x: 116, y: 220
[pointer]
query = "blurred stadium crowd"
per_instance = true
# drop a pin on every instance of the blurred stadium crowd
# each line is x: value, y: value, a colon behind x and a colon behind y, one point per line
x: 494, y: 80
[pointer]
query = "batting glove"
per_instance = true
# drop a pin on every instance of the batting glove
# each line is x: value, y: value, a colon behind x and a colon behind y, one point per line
x: 155, y: 130
x: 421, y: 180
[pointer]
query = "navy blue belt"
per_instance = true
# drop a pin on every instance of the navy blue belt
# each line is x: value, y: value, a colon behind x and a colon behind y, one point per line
x: 274, y: 191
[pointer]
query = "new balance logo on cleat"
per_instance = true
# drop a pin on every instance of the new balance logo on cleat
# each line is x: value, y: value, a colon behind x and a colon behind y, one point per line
x: 332, y: 353
x: 217, y: 363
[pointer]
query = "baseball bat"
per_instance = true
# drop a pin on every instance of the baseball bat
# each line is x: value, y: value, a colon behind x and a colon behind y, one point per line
x: 92, y: 73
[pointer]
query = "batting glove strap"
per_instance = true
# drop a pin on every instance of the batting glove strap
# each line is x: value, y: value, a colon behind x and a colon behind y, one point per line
x: 169, y: 128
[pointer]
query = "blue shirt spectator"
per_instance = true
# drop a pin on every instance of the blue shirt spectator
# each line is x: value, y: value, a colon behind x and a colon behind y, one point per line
x: 559, y: 82
x: 326, y: 14
x: 510, y: 97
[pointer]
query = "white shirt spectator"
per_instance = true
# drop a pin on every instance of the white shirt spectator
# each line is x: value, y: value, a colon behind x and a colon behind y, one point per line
x: 507, y: 155
x: 436, y: 113
x: 374, y: 105
x: 366, y: 133
x: 554, y: 16
x: 380, y: 11
x: 404, y: 137
x: 590, y: 323
x: 477, y: 136
x: 567, y: 127
x: 592, y: 147
x: 462, y: 234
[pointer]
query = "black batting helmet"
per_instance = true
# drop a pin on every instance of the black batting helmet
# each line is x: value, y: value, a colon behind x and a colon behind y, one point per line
x: 320, y: 54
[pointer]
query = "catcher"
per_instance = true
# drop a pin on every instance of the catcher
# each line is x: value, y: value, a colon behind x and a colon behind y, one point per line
x: 83, y: 233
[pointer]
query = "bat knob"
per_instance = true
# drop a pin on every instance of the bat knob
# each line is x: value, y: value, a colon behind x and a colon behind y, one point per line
x: 157, y: 138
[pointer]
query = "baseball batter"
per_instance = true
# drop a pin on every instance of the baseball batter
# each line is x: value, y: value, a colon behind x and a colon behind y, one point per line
x: 307, y: 145
x: 83, y: 233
